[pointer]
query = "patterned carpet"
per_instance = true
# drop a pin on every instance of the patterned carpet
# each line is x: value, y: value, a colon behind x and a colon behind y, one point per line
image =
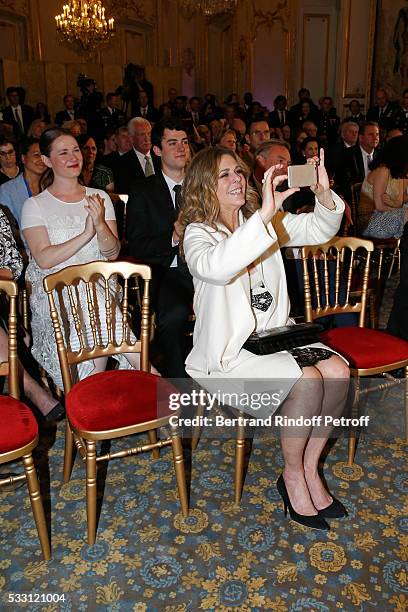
x: 223, y: 558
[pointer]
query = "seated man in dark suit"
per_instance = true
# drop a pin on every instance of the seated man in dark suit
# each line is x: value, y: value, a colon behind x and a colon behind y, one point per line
x: 303, y: 94
x: 69, y: 113
x: 111, y: 116
x: 146, y: 110
x: 257, y: 133
x: 384, y: 111
x: 172, y: 92
x: 18, y: 114
x: 336, y: 153
x: 196, y: 116
x: 270, y: 153
x: 357, y: 159
x: 355, y: 112
x: 124, y: 144
x: 327, y: 121
x: 180, y: 112
x: 280, y: 116
x: 138, y: 163
x: 153, y: 235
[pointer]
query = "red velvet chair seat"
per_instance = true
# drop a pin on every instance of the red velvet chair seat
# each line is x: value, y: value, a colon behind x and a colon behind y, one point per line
x: 18, y: 426
x: 366, y: 348
x: 118, y: 398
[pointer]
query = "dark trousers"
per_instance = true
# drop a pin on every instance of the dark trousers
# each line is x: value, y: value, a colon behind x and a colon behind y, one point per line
x: 398, y: 321
x: 174, y: 305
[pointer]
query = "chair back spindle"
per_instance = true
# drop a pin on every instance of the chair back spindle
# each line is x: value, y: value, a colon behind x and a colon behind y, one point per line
x: 84, y: 292
x: 336, y: 277
x: 10, y: 368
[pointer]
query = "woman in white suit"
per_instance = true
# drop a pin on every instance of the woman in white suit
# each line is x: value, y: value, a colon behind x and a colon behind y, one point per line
x: 232, y: 248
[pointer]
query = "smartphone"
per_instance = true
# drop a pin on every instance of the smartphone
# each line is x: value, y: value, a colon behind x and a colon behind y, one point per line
x: 302, y: 176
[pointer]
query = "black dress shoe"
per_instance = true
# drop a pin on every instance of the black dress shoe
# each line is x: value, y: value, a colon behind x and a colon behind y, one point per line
x: 56, y: 414
x: 315, y: 521
x: 335, y: 510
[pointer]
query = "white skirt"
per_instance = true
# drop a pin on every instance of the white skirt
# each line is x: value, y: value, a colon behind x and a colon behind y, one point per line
x: 255, y: 375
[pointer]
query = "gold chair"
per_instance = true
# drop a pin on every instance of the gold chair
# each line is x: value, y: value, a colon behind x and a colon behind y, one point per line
x: 109, y: 404
x: 19, y: 430
x: 328, y: 292
x: 240, y: 450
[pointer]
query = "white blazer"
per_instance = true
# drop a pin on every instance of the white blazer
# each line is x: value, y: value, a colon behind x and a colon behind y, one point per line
x: 218, y: 262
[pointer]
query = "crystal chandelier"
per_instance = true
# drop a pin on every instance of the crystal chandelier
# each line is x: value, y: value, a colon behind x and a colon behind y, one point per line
x: 83, y: 25
x: 208, y: 8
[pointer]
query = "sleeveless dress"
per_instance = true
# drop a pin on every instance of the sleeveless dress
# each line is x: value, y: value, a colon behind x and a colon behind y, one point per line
x: 381, y: 224
x: 64, y: 221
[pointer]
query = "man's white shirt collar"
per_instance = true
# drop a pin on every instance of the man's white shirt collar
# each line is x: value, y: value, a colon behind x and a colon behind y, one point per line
x: 170, y: 184
x: 141, y: 157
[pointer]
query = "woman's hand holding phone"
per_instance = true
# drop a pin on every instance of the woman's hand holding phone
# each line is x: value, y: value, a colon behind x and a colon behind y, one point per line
x: 272, y: 200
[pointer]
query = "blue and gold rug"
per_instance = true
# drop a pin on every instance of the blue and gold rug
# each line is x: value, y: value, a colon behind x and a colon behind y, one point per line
x: 147, y: 558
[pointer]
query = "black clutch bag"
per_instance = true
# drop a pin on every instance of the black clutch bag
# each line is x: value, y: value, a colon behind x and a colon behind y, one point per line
x: 283, y: 338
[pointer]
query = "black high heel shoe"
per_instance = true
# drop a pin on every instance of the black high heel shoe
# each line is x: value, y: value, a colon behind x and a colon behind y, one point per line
x: 315, y: 521
x: 335, y: 510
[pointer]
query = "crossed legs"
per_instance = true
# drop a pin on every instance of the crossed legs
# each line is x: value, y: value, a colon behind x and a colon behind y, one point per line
x: 322, y: 390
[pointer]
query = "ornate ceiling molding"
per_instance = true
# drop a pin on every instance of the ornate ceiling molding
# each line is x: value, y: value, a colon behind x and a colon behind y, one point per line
x: 130, y: 9
x: 280, y: 14
x: 16, y: 6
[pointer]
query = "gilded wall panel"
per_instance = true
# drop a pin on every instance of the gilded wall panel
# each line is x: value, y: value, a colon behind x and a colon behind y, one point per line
x: 33, y: 76
x: 11, y: 73
x: 56, y: 84
x: 112, y: 76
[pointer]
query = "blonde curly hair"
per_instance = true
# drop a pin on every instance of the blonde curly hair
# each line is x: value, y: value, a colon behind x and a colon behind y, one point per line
x: 199, y: 201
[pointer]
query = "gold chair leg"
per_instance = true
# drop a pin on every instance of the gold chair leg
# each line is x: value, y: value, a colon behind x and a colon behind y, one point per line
x: 351, y: 449
x: 36, y: 504
x: 152, y: 433
x: 68, y: 453
x: 178, y: 459
x: 406, y: 404
x: 239, y: 463
x: 91, y: 490
x: 196, y: 430
x: 352, y: 442
x: 25, y: 308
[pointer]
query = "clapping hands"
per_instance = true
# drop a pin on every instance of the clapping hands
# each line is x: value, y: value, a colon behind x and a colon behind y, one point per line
x: 96, y: 213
